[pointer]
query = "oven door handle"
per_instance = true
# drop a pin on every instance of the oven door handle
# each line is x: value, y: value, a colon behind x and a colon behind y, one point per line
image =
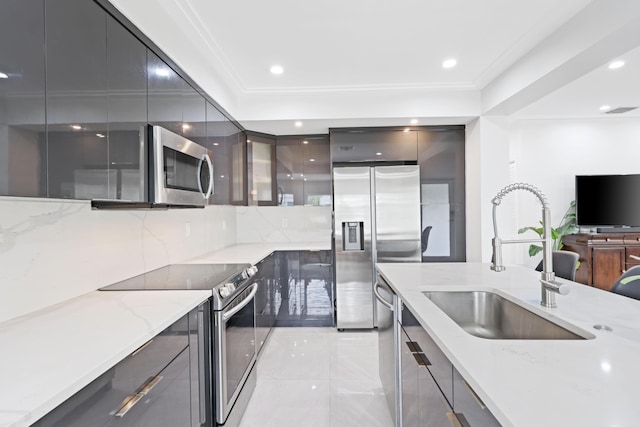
x: 226, y: 316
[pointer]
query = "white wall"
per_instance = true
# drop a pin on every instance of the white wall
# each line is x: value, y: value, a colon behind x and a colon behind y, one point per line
x: 487, y: 171
x: 53, y: 250
x: 549, y: 153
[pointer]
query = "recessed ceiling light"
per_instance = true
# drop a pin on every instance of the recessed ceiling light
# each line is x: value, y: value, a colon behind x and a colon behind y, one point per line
x: 185, y: 126
x: 305, y: 142
x: 449, y: 63
x: 162, y: 72
x: 99, y: 135
x: 378, y: 154
x: 76, y: 127
x: 605, y: 107
x: 3, y: 75
x: 616, y: 64
x: 277, y: 69
x: 298, y: 124
x: 221, y: 176
x: 216, y: 144
x: 414, y: 121
x: 312, y: 160
x: 406, y: 130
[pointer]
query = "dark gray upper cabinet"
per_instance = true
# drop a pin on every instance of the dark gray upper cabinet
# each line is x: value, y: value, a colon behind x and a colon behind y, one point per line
x: 166, y: 90
x: 76, y: 52
x: 441, y: 156
x: 216, y: 141
x: 22, y: 99
x: 79, y: 91
x: 289, y: 171
x: 303, y: 170
x: 127, y: 111
x: 194, y: 116
x: 372, y: 145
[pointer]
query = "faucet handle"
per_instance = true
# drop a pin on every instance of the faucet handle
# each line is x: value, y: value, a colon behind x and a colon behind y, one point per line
x: 557, y: 287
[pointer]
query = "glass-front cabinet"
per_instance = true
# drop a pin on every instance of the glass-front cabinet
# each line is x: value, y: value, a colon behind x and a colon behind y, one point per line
x: 261, y: 170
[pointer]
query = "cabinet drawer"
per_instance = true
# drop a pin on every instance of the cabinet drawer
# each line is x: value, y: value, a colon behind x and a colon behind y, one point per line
x: 164, y: 402
x: 469, y: 405
x: 608, y: 239
x: 438, y: 364
x: 632, y: 239
x: 632, y: 256
x: 152, y: 357
x: 96, y: 403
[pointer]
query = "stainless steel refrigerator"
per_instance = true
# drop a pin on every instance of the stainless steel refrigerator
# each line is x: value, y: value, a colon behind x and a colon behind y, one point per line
x: 376, y: 219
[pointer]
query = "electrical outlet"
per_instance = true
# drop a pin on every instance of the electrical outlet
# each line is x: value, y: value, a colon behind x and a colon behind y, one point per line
x: 285, y: 222
x: 187, y: 229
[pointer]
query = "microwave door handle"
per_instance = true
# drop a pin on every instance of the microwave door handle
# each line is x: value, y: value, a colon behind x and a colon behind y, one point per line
x: 209, y: 191
x: 210, y: 164
x: 226, y: 316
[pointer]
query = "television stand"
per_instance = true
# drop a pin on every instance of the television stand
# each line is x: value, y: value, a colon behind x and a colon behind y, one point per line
x: 618, y: 229
x: 603, y: 256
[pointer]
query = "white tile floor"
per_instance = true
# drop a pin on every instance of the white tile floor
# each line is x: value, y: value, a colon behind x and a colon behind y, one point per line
x: 310, y: 377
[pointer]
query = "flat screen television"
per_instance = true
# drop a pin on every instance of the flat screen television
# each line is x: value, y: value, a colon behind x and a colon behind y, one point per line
x: 608, y: 200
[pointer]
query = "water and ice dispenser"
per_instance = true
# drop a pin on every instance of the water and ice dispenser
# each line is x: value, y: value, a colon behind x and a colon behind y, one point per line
x: 353, y: 236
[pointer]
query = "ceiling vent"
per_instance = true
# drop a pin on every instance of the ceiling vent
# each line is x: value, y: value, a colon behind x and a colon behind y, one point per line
x: 620, y: 110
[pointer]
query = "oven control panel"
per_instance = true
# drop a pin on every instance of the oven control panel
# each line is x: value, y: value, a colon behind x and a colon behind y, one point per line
x: 230, y: 287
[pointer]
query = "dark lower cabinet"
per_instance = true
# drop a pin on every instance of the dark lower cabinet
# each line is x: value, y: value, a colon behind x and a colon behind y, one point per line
x: 469, y: 406
x: 265, y: 299
x: 433, y: 391
x: 305, y: 287
x: 423, y: 404
x: 153, y: 386
x: 163, y: 401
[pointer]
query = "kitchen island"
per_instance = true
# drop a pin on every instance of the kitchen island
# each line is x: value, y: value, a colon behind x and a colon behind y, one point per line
x: 590, y: 382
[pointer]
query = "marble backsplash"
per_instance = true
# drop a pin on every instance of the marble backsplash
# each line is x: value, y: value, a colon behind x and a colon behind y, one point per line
x: 277, y: 224
x: 53, y: 250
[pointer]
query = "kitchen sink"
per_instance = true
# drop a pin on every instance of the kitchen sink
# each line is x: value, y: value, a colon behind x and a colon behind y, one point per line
x: 488, y: 315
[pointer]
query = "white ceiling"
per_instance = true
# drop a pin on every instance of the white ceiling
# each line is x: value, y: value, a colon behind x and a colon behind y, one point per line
x: 378, y: 62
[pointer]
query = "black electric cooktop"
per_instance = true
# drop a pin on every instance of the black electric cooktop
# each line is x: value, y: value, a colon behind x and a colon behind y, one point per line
x: 182, y: 277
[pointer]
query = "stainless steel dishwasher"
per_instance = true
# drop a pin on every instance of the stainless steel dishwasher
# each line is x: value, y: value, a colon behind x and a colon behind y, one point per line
x: 388, y: 345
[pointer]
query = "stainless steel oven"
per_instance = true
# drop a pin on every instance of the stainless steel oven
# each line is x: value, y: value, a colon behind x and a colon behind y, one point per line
x: 181, y: 171
x: 234, y: 349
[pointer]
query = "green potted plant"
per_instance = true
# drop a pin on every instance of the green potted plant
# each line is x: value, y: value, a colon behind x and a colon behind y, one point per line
x: 568, y: 225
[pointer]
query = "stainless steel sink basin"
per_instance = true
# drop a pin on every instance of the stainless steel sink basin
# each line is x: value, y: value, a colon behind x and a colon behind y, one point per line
x: 489, y: 315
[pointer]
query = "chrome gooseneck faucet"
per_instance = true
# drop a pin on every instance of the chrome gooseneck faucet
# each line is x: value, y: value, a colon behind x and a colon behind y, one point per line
x: 549, y: 285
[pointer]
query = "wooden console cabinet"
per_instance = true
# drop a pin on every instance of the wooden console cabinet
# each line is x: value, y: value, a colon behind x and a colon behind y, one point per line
x: 603, y: 257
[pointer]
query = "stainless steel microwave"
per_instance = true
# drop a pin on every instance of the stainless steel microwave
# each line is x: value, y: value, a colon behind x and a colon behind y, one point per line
x: 180, y: 171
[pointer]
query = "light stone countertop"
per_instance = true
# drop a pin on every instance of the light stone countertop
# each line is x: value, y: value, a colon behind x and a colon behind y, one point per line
x: 49, y: 355
x: 254, y: 252
x: 524, y: 383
